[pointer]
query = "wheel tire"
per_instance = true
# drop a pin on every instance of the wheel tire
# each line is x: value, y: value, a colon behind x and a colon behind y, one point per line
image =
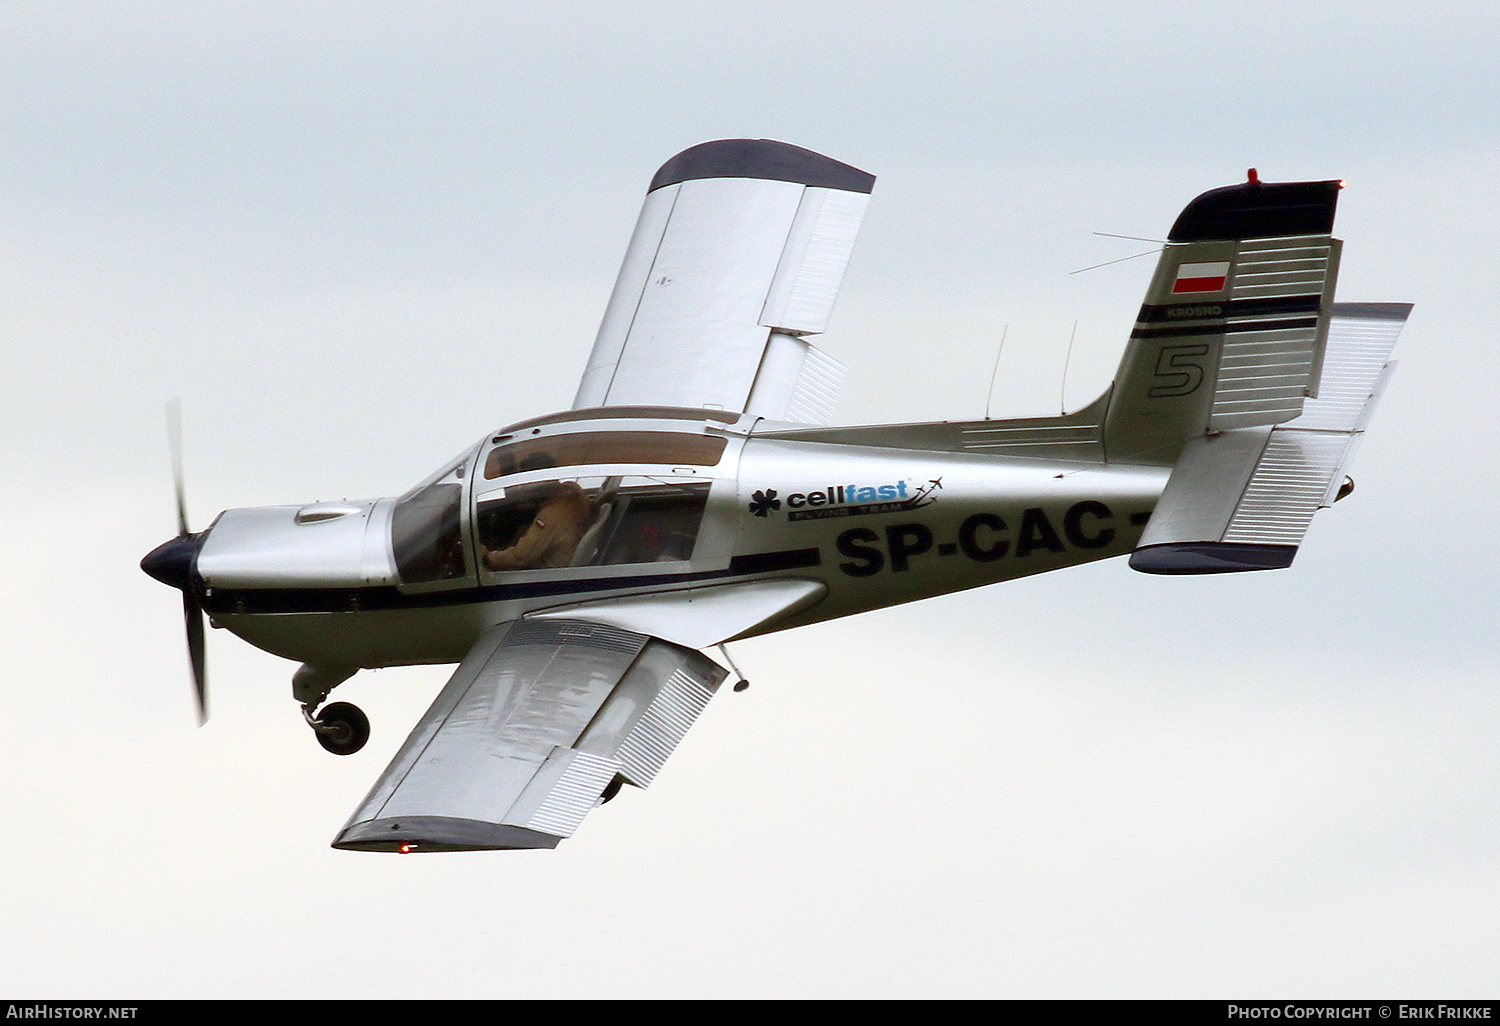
x: 351, y: 728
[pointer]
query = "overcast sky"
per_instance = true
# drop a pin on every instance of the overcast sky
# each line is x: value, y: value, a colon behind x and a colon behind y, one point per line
x: 355, y: 237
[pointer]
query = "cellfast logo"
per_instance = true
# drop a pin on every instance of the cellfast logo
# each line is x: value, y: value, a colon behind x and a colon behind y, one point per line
x: 838, y: 495
x: 856, y: 500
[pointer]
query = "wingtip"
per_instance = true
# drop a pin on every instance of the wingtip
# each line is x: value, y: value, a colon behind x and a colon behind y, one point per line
x: 761, y: 158
x: 1210, y: 558
x: 409, y: 835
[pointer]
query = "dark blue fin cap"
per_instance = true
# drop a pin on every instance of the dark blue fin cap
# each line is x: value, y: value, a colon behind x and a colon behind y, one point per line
x: 1258, y: 210
x: 761, y: 158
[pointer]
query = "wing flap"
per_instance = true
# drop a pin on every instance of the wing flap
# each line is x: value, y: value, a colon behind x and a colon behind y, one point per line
x: 648, y: 715
x: 528, y: 733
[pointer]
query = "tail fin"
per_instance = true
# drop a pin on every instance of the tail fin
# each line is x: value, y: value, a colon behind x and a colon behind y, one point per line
x: 1242, y: 499
x: 1235, y: 322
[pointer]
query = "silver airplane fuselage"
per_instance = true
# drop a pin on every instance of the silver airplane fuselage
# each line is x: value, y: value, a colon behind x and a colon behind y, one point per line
x: 679, y: 502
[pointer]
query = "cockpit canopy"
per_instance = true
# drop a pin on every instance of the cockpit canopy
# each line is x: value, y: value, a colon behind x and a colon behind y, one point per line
x: 583, y: 448
x: 572, y: 493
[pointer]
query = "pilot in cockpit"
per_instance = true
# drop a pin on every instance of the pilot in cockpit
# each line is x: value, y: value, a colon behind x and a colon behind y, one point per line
x: 553, y: 535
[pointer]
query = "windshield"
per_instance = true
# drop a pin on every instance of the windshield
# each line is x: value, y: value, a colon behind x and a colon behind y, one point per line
x: 427, y: 526
x: 426, y: 534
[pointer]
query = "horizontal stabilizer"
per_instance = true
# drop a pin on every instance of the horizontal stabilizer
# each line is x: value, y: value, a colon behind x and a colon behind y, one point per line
x: 534, y: 726
x: 1242, y: 499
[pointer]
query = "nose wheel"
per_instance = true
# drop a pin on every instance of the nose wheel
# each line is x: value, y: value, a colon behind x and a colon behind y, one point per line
x: 341, y: 728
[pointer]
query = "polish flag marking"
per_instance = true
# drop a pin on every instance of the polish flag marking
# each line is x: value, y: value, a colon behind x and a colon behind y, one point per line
x: 1206, y: 277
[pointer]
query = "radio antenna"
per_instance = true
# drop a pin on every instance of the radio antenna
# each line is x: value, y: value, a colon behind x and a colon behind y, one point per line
x: 991, y: 393
x: 1062, y: 398
x: 1106, y: 263
x: 1132, y: 238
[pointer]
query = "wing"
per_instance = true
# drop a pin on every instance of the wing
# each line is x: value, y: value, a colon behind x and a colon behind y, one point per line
x: 739, y: 252
x: 534, y: 725
x: 697, y: 617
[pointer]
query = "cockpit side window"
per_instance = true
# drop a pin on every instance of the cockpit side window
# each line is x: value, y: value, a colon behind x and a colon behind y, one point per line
x: 590, y: 522
x: 670, y: 448
x: 656, y: 524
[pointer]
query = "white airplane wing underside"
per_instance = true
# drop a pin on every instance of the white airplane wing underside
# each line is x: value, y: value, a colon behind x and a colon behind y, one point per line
x: 536, y: 724
x: 696, y: 617
x: 738, y: 254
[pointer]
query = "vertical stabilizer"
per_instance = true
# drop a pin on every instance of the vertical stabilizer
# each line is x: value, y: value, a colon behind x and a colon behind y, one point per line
x: 1232, y: 331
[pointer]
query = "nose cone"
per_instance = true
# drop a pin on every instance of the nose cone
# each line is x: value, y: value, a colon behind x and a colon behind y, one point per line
x: 172, y: 562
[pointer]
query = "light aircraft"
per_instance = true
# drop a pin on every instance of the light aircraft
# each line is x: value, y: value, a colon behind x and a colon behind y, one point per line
x: 576, y: 565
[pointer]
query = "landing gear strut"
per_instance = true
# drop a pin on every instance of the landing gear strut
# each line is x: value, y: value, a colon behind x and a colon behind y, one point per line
x: 341, y: 728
